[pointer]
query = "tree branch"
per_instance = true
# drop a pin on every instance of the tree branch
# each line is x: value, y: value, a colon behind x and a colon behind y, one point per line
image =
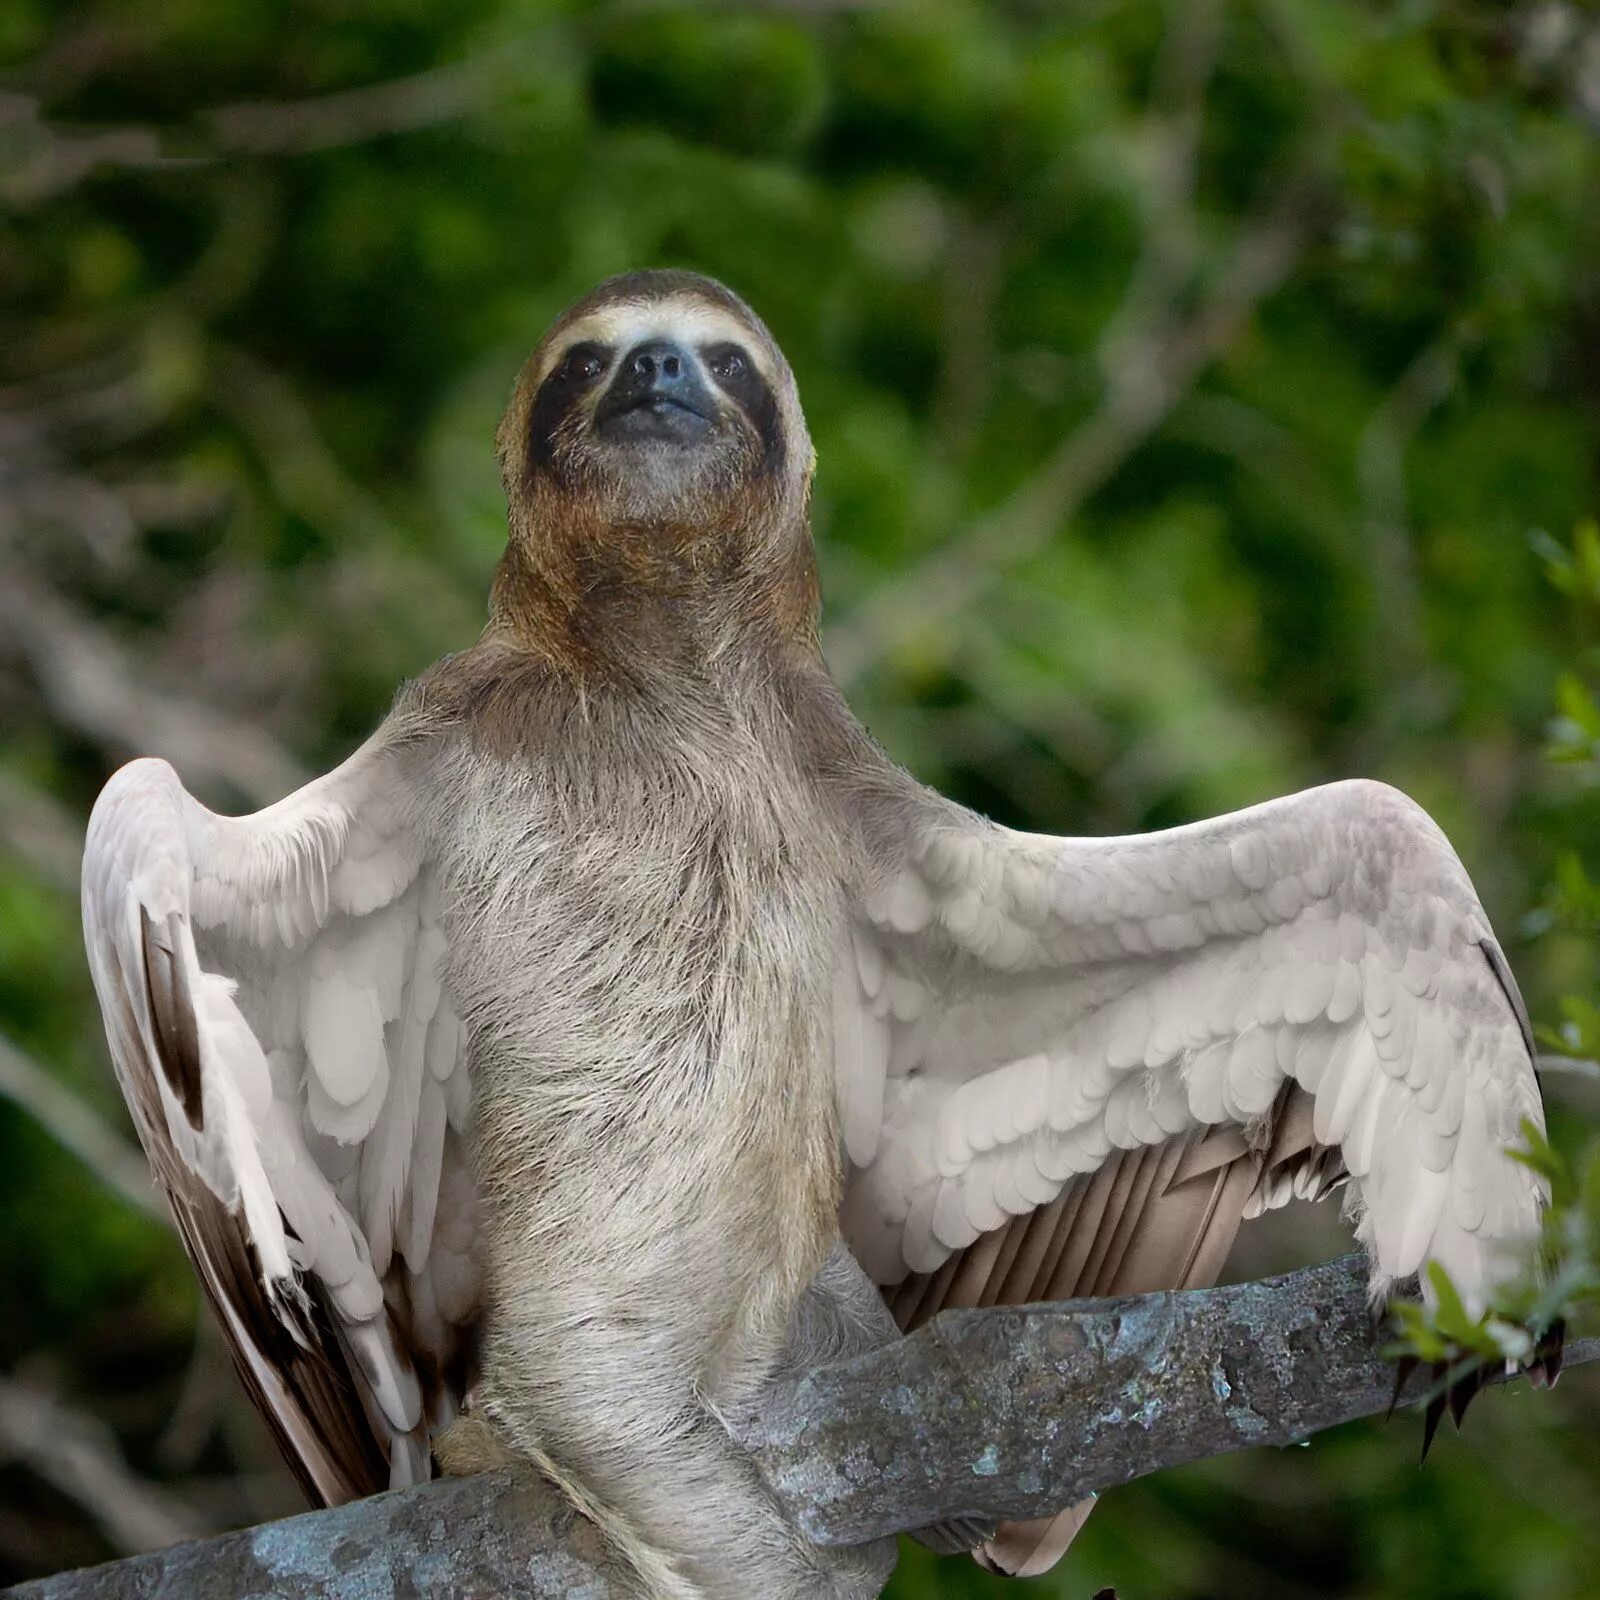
x: 1018, y: 1412
x: 497, y: 1535
x: 1009, y: 1412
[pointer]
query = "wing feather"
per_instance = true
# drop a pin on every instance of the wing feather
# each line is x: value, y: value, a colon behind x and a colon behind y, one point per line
x: 1080, y: 997
x: 271, y: 987
x: 1122, y: 1047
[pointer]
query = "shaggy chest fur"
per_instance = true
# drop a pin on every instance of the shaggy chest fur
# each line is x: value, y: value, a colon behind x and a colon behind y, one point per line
x: 643, y: 910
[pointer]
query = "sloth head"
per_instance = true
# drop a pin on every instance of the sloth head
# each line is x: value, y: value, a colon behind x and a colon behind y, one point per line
x: 655, y: 446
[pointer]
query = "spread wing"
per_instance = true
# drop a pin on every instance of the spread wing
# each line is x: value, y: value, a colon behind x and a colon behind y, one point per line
x: 1016, y: 1013
x: 272, y: 987
x: 1071, y: 1066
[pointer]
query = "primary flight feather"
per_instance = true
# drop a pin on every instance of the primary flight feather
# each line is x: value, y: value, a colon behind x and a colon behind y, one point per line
x: 515, y: 1084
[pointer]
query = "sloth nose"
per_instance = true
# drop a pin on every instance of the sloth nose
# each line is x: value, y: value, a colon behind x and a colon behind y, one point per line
x: 658, y: 393
x: 658, y: 366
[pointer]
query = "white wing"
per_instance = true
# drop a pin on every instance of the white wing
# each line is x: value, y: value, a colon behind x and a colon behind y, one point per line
x: 1015, y: 1011
x: 272, y: 992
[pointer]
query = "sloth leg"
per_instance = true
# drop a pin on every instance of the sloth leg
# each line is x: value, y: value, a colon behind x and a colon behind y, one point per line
x: 841, y: 1314
x: 470, y: 1445
x: 844, y: 1314
x: 610, y: 1413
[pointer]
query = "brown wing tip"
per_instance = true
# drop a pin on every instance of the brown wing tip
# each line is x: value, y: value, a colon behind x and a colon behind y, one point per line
x: 1501, y: 969
x: 1544, y: 1371
x: 172, y: 1014
x: 1454, y: 1392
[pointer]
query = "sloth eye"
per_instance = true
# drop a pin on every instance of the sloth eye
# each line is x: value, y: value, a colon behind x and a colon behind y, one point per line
x: 727, y: 362
x: 584, y: 363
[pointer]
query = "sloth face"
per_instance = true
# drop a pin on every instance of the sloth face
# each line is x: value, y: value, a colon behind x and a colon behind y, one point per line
x: 659, y: 397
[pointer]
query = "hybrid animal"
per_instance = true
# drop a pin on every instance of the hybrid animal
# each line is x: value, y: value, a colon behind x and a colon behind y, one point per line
x: 619, y: 1018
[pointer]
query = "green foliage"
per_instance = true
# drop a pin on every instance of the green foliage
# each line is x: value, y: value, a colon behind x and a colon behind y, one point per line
x: 1560, y: 1282
x: 1237, y: 355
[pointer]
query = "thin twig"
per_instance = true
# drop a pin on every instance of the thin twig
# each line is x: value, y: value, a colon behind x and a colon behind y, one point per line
x: 78, y: 1455
x: 207, y: 1386
x: 48, y: 157
x: 1394, y: 636
x: 91, y: 684
x: 1573, y: 1066
x: 1153, y: 377
x: 71, y: 1123
x: 41, y: 831
x: 372, y: 111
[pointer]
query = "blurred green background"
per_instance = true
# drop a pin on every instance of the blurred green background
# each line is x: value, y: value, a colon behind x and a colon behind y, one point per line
x: 1204, y: 393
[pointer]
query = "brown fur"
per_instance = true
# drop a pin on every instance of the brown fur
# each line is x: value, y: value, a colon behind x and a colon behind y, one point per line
x: 589, y: 575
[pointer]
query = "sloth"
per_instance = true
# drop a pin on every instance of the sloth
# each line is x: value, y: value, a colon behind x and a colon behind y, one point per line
x: 620, y: 1027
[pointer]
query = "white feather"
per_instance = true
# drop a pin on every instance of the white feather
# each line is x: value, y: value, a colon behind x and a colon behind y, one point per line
x: 314, y: 1004
x: 1327, y: 939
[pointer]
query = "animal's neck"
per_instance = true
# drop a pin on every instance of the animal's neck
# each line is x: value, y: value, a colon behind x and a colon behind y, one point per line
x: 633, y: 604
